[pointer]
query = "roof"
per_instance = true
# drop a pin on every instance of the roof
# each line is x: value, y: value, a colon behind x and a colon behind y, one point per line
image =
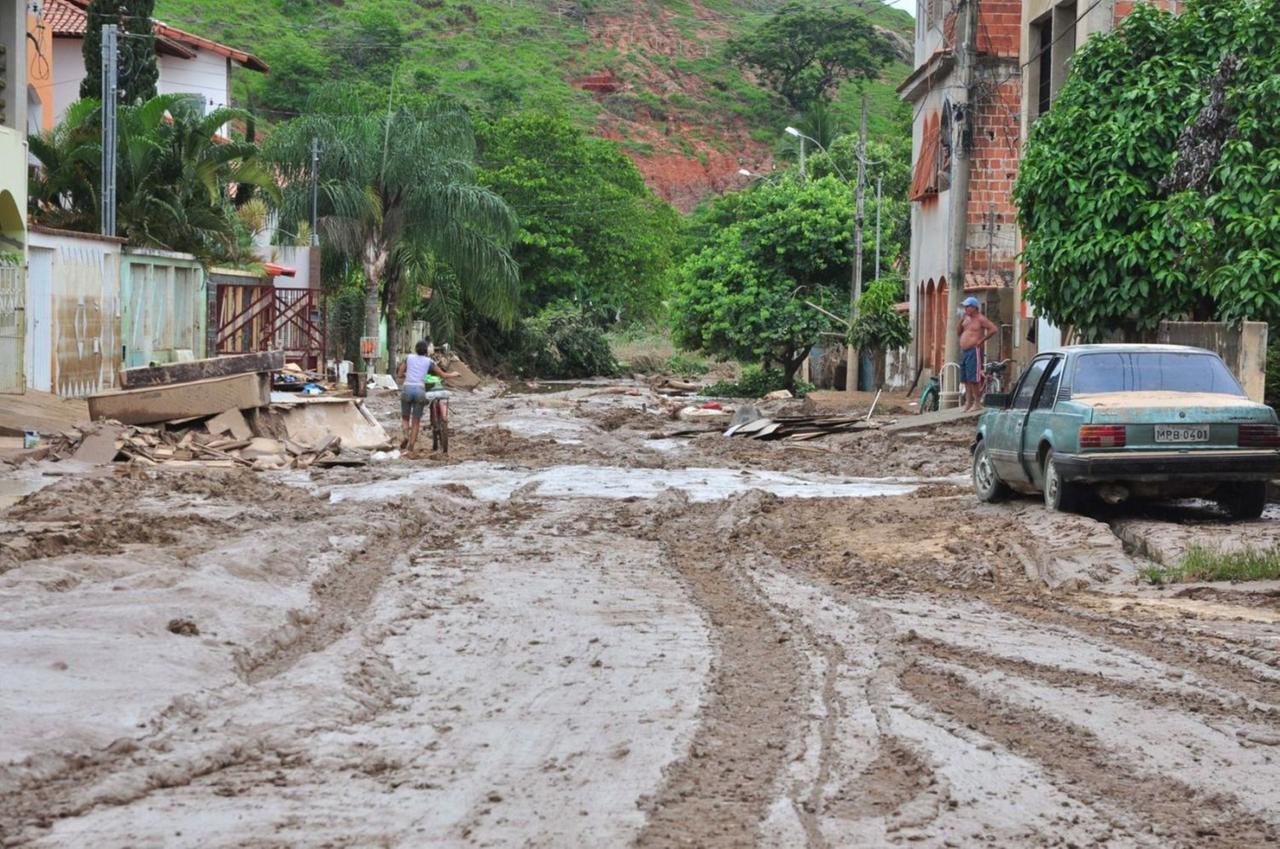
x: 276, y: 270
x: 1130, y: 347
x: 68, y: 19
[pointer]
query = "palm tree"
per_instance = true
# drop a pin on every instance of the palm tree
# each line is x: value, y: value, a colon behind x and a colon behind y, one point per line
x: 173, y: 174
x: 396, y: 187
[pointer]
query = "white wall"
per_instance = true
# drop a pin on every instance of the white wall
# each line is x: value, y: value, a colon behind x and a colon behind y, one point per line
x: 68, y: 71
x: 205, y: 75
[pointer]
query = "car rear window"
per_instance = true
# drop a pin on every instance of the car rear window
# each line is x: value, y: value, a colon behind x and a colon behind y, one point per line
x: 1153, y: 371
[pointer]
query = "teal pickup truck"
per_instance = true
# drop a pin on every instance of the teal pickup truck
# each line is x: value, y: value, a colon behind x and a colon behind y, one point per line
x: 1127, y: 421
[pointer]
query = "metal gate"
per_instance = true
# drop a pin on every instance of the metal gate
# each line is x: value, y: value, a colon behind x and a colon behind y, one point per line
x: 264, y: 317
x: 13, y: 327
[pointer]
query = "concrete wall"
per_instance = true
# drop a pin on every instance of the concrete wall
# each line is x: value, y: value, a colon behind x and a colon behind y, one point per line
x: 39, y: 75
x: 73, y: 313
x: 68, y: 71
x: 1243, y: 348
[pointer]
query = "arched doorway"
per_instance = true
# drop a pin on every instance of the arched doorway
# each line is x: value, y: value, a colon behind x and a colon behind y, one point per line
x: 13, y: 294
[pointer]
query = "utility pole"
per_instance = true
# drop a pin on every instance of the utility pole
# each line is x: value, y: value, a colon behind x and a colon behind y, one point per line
x: 966, y: 24
x: 803, y: 175
x: 855, y: 281
x: 110, y: 98
x: 315, y: 190
x: 879, y: 198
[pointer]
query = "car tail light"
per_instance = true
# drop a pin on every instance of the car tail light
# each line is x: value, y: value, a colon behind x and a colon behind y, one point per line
x: 1102, y: 436
x: 1259, y: 436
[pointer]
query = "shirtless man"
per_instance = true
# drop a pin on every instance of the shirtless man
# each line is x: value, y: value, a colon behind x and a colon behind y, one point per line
x: 975, y: 329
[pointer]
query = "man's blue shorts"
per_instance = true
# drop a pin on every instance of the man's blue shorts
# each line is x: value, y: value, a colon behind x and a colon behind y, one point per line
x: 969, y: 366
x: 413, y: 400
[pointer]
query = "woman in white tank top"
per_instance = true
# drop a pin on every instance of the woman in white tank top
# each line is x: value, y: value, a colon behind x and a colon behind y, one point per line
x: 412, y: 375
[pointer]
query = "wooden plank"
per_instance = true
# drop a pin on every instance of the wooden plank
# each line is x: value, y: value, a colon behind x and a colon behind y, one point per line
x: 199, y: 398
x: 41, y: 411
x: 167, y: 375
x: 229, y: 421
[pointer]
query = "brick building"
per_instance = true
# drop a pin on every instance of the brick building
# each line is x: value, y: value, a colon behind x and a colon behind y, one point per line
x: 1051, y: 31
x: 990, y: 265
x: 1023, y: 50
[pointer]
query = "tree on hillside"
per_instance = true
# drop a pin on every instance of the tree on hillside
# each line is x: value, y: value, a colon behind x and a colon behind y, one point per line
x: 138, y: 72
x: 396, y: 184
x: 1150, y: 190
x: 590, y: 231
x: 173, y: 179
x: 743, y: 295
x: 805, y: 51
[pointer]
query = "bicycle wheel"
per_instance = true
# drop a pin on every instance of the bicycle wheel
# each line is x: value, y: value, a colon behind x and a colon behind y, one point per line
x: 929, y: 400
x: 440, y: 433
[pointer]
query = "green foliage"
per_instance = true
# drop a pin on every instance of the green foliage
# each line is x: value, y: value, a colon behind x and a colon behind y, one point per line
x: 346, y: 322
x: 756, y: 383
x: 771, y: 249
x: 172, y: 177
x: 562, y: 342
x: 1150, y: 190
x: 590, y: 232
x: 878, y: 326
x: 686, y: 365
x: 805, y: 51
x: 1202, y: 563
x: 399, y: 196
x: 137, y: 73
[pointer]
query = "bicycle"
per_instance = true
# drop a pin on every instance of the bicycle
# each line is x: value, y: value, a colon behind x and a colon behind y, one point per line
x: 438, y: 409
x: 993, y: 375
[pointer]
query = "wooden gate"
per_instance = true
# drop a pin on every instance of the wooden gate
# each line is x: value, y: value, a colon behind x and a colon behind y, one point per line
x: 264, y: 317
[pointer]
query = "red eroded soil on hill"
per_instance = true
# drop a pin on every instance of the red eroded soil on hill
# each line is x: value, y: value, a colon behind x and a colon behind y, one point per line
x: 695, y: 152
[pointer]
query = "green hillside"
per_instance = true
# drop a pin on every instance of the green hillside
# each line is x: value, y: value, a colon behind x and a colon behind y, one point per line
x: 659, y: 82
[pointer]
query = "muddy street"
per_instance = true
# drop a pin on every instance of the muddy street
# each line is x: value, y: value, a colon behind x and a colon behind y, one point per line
x: 582, y: 630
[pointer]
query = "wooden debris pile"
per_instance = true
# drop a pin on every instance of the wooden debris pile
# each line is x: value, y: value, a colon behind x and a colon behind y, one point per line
x: 194, y: 447
x: 799, y: 428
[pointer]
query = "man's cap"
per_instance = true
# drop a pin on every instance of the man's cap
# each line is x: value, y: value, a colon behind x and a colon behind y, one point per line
x: 970, y: 302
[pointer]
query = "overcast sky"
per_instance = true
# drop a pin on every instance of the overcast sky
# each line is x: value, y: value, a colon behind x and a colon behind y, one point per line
x: 908, y: 6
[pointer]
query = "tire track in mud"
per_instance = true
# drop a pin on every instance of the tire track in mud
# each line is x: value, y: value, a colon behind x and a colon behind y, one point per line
x: 1197, y: 703
x: 1132, y: 800
x: 1227, y: 669
x: 718, y: 794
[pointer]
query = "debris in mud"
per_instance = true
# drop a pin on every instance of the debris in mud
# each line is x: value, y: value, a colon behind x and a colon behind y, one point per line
x: 183, y: 627
x: 799, y: 428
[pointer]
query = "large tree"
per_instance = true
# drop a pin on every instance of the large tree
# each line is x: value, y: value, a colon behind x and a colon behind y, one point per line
x: 744, y: 294
x: 173, y: 178
x: 137, y: 49
x: 1150, y: 190
x: 805, y: 51
x: 590, y: 231
x: 397, y: 193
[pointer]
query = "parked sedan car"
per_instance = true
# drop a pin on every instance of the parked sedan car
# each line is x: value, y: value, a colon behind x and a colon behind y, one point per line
x: 1127, y: 421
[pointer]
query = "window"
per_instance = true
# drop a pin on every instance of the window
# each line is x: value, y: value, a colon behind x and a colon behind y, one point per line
x: 1049, y: 392
x: 1027, y: 386
x: 1043, y: 43
x: 1153, y: 371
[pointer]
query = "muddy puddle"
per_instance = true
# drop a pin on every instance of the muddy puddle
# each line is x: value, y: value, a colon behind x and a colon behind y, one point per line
x: 490, y: 482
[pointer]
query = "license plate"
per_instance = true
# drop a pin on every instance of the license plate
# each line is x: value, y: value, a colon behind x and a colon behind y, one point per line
x: 1181, y: 433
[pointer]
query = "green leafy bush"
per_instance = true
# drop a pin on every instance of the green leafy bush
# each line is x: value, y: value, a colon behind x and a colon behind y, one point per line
x: 346, y: 322
x: 562, y: 342
x: 686, y: 365
x: 755, y: 383
x: 1273, y: 370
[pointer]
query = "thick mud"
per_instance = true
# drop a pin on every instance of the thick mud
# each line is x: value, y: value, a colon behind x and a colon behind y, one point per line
x: 579, y: 630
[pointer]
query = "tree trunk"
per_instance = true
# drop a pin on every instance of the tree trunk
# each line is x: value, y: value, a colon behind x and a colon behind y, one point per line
x: 790, y: 366
x: 374, y: 263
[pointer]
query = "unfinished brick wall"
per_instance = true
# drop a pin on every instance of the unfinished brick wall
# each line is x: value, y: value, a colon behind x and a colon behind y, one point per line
x: 995, y: 153
x: 999, y: 27
x: 1123, y: 8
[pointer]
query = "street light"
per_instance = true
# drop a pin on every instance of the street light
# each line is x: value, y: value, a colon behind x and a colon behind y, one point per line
x: 792, y: 131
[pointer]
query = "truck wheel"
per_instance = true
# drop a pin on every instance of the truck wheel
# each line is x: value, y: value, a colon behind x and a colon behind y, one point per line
x: 1059, y: 496
x: 986, y: 483
x: 1244, y: 500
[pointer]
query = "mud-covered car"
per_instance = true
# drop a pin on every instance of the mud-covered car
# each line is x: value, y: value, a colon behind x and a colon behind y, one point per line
x: 1127, y: 421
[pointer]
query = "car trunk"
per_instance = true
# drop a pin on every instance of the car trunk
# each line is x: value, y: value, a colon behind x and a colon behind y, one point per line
x: 1176, y: 420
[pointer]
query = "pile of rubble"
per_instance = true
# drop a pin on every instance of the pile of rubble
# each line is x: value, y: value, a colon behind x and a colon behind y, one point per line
x: 96, y: 443
x: 221, y: 412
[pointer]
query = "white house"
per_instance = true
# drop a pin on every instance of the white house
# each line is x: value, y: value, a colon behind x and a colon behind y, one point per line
x: 187, y: 63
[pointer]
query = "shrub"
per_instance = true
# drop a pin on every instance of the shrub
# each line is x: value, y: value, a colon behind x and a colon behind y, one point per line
x: 1273, y: 368
x: 755, y: 383
x: 562, y: 342
x: 686, y: 365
